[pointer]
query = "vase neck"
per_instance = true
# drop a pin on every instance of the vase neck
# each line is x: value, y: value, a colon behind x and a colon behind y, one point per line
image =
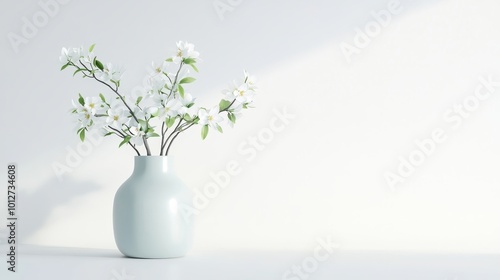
x: 155, y: 164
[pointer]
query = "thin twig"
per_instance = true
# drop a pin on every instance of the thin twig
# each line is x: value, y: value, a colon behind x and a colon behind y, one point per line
x: 115, y: 90
x: 163, y: 132
x: 122, y: 135
x: 173, y: 132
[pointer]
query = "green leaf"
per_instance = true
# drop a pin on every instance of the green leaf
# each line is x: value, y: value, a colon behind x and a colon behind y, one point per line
x: 223, y: 105
x: 154, y: 134
x: 107, y: 134
x: 194, y: 67
x: 81, y: 100
x: 64, y: 66
x: 91, y: 48
x: 187, y: 117
x: 78, y: 70
x: 139, y: 99
x: 204, y: 132
x: 181, y: 91
x: 143, y: 123
x: 169, y: 59
x: 189, y: 60
x: 170, y: 122
x: 219, y: 128
x: 102, y: 97
x: 98, y: 64
x: 82, y: 135
x: 187, y: 80
x: 231, y: 117
x: 125, y: 141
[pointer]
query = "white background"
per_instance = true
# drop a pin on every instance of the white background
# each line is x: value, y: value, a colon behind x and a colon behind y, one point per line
x: 323, y: 174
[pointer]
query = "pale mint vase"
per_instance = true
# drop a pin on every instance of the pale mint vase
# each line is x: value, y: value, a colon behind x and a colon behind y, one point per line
x: 149, y: 211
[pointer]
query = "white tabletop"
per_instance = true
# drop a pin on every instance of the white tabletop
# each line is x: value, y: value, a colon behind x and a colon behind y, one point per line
x: 36, y: 262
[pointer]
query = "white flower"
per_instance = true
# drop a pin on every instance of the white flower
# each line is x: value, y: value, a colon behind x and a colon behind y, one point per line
x: 159, y: 69
x: 228, y: 92
x: 137, y: 135
x: 243, y: 94
x: 250, y: 81
x: 110, y: 73
x: 83, y: 115
x: 169, y: 109
x: 193, y: 111
x: 116, y: 117
x: 186, y: 102
x: 140, y: 114
x: 157, y: 83
x: 86, y: 56
x: 159, y: 99
x: 184, y: 50
x: 70, y: 55
x: 212, y: 117
x: 236, y: 110
x: 93, y: 105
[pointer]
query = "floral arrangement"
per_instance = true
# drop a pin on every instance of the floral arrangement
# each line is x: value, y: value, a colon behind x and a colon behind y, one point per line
x: 164, y: 110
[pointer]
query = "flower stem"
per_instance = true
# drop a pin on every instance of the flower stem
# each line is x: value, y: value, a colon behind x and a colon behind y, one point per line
x: 120, y: 134
x: 115, y: 90
x: 163, y: 132
x: 170, y: 144
x: 171, y: 134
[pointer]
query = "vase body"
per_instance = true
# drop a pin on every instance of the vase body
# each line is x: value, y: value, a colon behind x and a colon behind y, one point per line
x: 148, y: 216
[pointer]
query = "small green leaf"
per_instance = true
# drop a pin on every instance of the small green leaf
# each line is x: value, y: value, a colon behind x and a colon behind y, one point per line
x: 81, y: 100
x: 139, y: 99
x: 125, y: 141
x: 102, y: 97
x: 194, y: 67
x: 91, y: 48
x: 82, y: 135
x: 107, y: 134
x: 231, y: 117
x: 187, y: 117
x: 169, y: 59
x: 98, y: 64
x: 181, y: 91
x: 78, y: 70
x: 143, y: 123
x: 64, y: 66
x: 204, y: 132
x: 219, y: 128
x: 170, y: 122
x: 187, y: 80
x: 223, y: 105
x: 154, y: 134
x: 189, y: 60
